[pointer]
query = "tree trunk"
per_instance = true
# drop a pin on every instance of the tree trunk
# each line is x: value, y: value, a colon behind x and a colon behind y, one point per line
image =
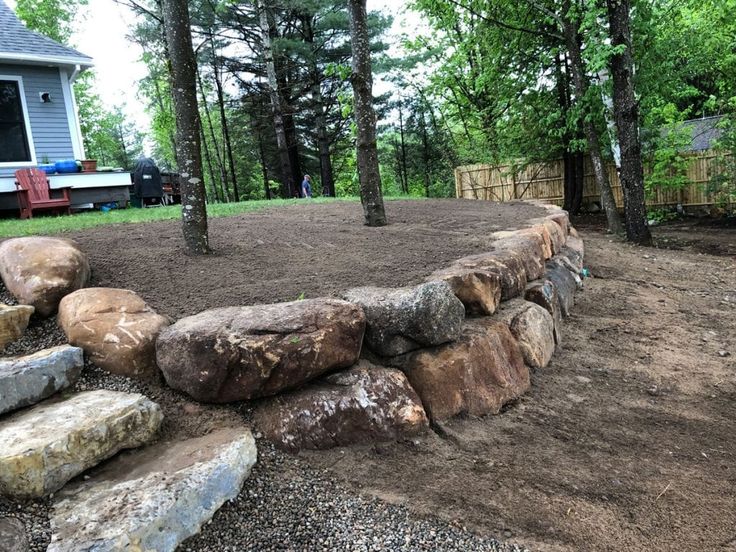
x: 188, y: 154
x: 425, y: 152
x: 215, y: 145
x: 405, y: 181
x: 626, y: 114
x: 320, y: 119
x: 577, y: 199
x: 223, y: 123
x: 207, y: 156
x: 365, y: 117
x: 276, y: 107
x: 264, y: 168
x: 572, y: 40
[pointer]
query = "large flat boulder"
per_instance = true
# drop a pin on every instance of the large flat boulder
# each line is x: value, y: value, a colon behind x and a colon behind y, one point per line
x: 534, y: 329
x: 507, y: 265
x: 155, y: 498
x: 115, y: 327
x: 474, y: 376
x: 404, y: 319
x: 364, y: 404
x: 240, y: 353
x: 39, y: 271
x: 13, y: 322
x: 529, y: 246
x: 49, y: 444
x: 479, y: 290
x: 29, y: 379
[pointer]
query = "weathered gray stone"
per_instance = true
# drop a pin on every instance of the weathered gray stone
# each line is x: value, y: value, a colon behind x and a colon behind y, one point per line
x: 401, y: 320
x: 155, y: 498
x: 241, y: 353
x: 39, y: 271
x: 544, y: 294
x: 364, y: 404
x: 116, y: 328
x: 13, y: 535
x: 479, y: 290
x: 475, y: 375
x: 52, y: 442
x: 565, y: 285
x: 13, y: 322
x: 533, y: 327
x: 29, y: 379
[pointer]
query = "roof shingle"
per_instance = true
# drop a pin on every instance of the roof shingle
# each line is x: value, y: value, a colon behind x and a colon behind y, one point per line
x: 16, y: 38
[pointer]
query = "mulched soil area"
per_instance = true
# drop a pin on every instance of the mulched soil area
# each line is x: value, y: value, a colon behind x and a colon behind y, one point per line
x: 307, y: 250
x: 625, y: 442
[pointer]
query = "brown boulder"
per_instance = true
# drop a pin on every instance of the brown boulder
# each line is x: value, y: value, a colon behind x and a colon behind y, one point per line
x: 477, y: 289
x: 115, y: 327
x: 475, y: 376
x: 530, y: 248
x: 364, y: 404
x: 562, y: 219
x: 533, y: 327
x: 540, y: 233
x: 544, y: 294
x: 13, y: 322
x: 39, y: 271
x: 240, y: 353
x: 507, y: 265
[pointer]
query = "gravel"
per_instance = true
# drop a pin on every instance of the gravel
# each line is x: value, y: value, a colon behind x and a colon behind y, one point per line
x: 285, y: 504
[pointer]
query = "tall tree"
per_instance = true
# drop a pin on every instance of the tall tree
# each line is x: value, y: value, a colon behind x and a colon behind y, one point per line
x: 626, y: 114
x: 188, y: 154
x: 361, y: 79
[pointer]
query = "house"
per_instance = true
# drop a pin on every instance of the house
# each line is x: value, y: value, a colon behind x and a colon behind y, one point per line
x: 38, y: 114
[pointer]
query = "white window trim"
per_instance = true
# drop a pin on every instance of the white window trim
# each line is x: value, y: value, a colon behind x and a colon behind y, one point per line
x: 27, y: 120
x: 72, y: 113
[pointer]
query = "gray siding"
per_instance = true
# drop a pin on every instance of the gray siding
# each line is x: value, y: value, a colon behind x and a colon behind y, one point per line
x: 49, y: 122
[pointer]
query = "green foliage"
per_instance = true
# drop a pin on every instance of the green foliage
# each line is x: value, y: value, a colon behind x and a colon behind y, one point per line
x: 722, y: 186
x: 53, y: 18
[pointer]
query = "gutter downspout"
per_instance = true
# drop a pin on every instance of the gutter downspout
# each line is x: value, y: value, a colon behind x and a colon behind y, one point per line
x: 75, y: 73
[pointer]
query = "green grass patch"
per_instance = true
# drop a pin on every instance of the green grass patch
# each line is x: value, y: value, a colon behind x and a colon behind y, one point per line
x: 45, y: 225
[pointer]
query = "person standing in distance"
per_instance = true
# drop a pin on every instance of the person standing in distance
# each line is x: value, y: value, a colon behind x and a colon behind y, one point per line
x: 307, y: 186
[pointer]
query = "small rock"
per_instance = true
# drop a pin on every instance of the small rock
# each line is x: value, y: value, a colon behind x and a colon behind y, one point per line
x: 13, y: 322
x: 722, y: 353
x: 13, y: 535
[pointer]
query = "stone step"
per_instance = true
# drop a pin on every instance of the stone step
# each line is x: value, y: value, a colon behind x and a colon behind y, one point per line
x: 154, y: 498
x: 49, y: 444
x: 29, y: 379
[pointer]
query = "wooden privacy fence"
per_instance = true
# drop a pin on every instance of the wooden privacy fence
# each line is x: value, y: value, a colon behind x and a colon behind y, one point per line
x: 546, y: 181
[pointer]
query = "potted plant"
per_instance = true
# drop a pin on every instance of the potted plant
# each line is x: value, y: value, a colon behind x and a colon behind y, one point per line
x: 89, y: 165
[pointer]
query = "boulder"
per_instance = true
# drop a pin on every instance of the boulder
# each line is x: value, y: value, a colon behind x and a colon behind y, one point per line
x: 404, y: 319
x: 539, y: 232
x: 49, y: 444
x: 154, y: 498
x: 565, y: 285
x: 544, y: 294
x: 13, y: 535
x: 115, y: 327
x: 13, y: 322
x: 562, y: 219
x: 576, y: 244
x: 530, y: 248
x: 361, y: 405
x: 475, y: 376
x: 240, y: 353
x: 557, y: 235
x: 39, y: 271
x: 570, y: 259
x: 533, y: 327
x: 478, y: 290
x: 29, y: 379
x: 507, y: 265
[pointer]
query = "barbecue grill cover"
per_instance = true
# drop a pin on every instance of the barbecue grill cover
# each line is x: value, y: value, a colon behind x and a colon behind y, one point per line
x: 147, y: 179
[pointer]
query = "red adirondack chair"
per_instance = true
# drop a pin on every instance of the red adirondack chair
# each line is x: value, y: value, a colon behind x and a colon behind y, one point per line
x: 34, y: 193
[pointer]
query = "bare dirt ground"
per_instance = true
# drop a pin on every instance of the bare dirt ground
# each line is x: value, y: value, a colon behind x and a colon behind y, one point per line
x: 281, y: 254
x: 627, y: 441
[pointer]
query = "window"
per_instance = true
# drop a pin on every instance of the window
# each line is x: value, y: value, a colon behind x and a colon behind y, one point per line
x: 15, y: 146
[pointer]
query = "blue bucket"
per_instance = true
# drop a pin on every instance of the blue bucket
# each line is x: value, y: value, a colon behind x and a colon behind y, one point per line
x: 66, y: 166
